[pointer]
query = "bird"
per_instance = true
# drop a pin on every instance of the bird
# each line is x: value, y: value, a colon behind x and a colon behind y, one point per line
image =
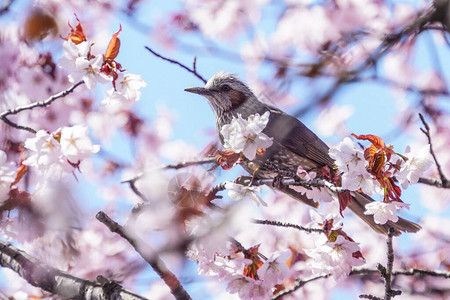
x: 294, y: 144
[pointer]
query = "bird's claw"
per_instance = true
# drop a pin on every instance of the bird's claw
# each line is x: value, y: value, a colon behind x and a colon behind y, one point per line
x: 244, y: 180
x: 278, y: 181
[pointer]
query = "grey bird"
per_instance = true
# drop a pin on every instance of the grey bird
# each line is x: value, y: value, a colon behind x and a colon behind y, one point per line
x: 294, y: 144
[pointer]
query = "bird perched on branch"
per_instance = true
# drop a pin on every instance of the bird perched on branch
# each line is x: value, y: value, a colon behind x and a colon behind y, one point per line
x: 293, y: 145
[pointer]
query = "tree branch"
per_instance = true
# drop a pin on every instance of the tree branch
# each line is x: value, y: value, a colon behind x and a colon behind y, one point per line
x: 434, y: 182
x: 299, y: 284
x: 287, y: 225
x: 55, y: 281
x: 149, y: 255
x: 427, y: 132
x: 386, y: 273
x: 44, y: 103
x: 407, y: 272
x: 172, y: 61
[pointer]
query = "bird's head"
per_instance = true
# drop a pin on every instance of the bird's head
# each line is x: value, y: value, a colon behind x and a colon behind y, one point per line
x: 225, y: 92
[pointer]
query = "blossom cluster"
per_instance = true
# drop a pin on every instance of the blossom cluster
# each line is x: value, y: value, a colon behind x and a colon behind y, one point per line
x: 375, y: 170
x: 60, y: 152
x: 81, y: 64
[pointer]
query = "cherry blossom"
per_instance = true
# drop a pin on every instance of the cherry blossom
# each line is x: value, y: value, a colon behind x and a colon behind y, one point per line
x: 274, y: 270
x: 383, y: 212
x: 46, y: 155
x: 72, y: 52
x: 335, y: 257
x: 7, y: 176
x: 348, y: 157
x: 343, y: 55
x: 248, y: 288
x: 76, y: 60
x: 76, y: 144
x: 246, y: 135
x: 238, y: 192
x: 415, y: 166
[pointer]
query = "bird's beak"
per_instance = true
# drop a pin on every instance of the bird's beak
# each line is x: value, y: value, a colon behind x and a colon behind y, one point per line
x: 198, y: 90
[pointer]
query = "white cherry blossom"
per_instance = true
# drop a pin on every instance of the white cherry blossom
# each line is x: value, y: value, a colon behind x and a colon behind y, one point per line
x: 348, y: 157
x: 238, y: 192
x: 46, y: 155
x: 417, y: 163
x: 274, y: 270
x: 246, y: 135
x: 7, y: 176
x: 75, y: 143
x: 335, y: 257
x: 383, y: 212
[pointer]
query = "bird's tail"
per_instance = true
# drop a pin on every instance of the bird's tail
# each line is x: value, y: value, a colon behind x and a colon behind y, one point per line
x: 357, y: 205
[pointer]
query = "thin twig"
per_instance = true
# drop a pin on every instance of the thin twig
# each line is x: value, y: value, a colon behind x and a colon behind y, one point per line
x: 299, y: 284
x: 172, y: 61
x: 175, y: 166
x: 17, y: 126
x: 371, y: 297
x: 149, y: 255
x: 44, y: 103
x: 287, y: 225
x: 135, y: 190
x: 426, y: 131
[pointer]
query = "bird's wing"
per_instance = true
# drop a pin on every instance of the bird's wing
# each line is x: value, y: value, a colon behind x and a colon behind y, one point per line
x: 294, y: 135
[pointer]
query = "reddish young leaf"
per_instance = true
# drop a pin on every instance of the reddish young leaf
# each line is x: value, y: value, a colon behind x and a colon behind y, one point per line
x: 76, y: 35
x: 344, y: 198
x: 375, y: 140
x: 252, y: 269
x: 113, y: 48
x: 21, y: 170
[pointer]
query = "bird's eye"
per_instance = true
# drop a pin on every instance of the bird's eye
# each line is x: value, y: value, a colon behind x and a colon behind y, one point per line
x: 225, y: 88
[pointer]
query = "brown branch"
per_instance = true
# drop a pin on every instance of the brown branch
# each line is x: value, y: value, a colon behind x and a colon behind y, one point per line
x: 56, y: 281
x: 434, y: 182
x: 149, y: 255
x: 371, y: 297
x: 186, y: 164
x: 299, y: 284
x: 427, y: 132
x: 387, y: 272
x: 43, y: 103
x: 287, y: 225
x: 406, y: 272
x: 175, y: 166
x: 17, y: 126
x: 172, y: 61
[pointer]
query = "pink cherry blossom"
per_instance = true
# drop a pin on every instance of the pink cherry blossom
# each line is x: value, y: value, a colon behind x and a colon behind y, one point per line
x: 348, y: 157
x: 335, y: 257
x: 46, y: 155
x: 416, y: 165
x: 75, y: 143
x: 7, y: 176
x: 246, y: 135
x: 238, y: 192
x: 274, y: 270
x: 383, y: 212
